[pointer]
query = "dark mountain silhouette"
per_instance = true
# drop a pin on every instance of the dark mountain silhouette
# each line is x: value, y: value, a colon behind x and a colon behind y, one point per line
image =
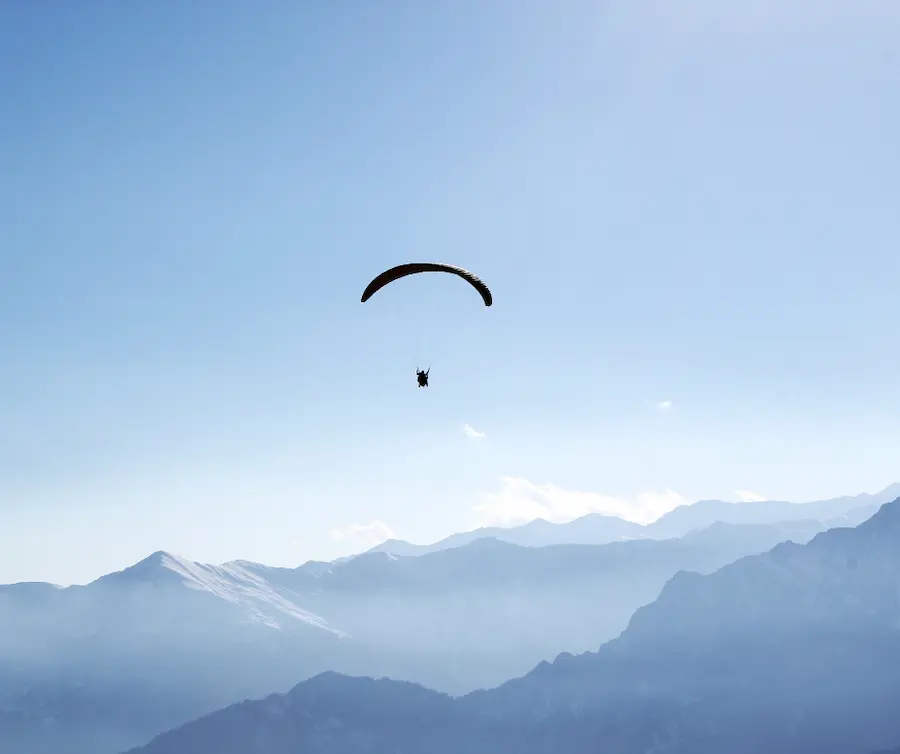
x: 795, y: 651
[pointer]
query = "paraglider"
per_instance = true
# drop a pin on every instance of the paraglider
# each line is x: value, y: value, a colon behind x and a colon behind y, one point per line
x: 414, y: 268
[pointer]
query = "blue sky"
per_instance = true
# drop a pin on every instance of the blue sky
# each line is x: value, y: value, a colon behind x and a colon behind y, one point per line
x: 682, y: 203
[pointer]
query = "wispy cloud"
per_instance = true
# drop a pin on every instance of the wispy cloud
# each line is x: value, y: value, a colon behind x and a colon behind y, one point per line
x: 748, y: 496
x: 470, y: 431
x: 664, y: 405
x: 520, y: 500
x: 363, y: 535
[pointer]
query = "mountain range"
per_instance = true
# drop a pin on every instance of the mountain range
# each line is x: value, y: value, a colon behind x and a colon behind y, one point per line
x: 105, y: 666
x: 791, y: 651
x: 596, y: 528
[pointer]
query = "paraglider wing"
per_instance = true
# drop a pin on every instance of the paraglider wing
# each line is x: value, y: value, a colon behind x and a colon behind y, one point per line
x: 412, y: 268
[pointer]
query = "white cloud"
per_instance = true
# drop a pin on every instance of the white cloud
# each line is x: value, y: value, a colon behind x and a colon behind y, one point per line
x: 748, y: 496
x: 519, y: 500
x: 363, y: 535
x: 470, y: 431
x: 664, y: 405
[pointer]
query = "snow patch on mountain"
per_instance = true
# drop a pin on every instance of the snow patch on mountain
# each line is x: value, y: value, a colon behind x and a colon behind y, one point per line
x: 238, y: 583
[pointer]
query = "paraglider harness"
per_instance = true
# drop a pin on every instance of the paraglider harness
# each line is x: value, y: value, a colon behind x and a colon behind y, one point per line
x: 422, y: 377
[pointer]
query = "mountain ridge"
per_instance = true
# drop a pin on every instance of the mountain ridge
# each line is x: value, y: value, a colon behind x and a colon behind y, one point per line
x: 598, y: 528
x: 744, y: 659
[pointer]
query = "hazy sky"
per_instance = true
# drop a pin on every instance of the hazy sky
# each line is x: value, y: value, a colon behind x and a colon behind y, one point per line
x: 687, y: 212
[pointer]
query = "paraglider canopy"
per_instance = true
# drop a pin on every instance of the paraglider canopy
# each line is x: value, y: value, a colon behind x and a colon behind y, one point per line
x: 413, y: 268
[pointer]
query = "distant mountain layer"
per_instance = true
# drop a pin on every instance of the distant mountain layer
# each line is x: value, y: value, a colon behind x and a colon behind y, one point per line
x: 599, y: 529
x: 796, y: 651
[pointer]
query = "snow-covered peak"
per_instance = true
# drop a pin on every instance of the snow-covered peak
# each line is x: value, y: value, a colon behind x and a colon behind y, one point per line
x: 240, y: 584
x: 156, y: 567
